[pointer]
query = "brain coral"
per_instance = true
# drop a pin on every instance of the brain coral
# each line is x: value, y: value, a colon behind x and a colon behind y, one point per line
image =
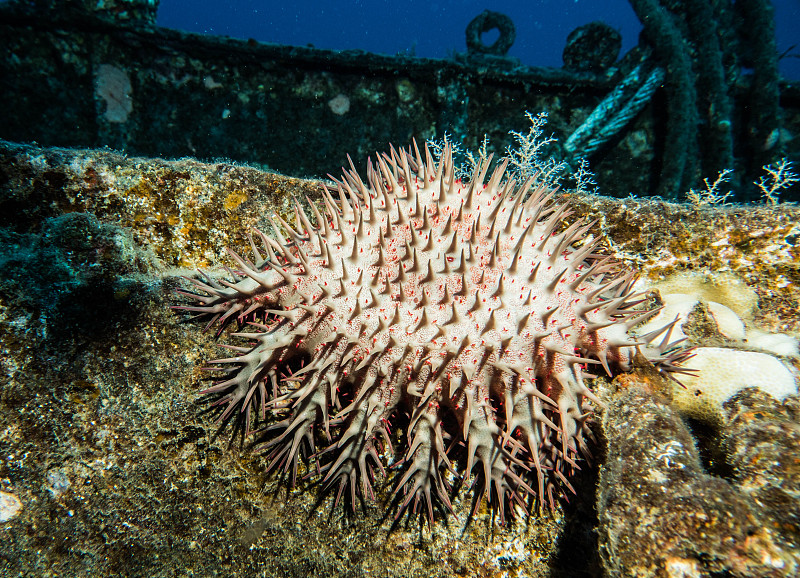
x: 434, y: 325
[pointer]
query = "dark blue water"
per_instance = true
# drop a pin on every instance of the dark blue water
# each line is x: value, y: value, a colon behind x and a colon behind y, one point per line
x: 431, y: 28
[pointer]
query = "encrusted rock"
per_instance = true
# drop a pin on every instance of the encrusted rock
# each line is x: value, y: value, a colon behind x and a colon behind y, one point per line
x: 661, y: 514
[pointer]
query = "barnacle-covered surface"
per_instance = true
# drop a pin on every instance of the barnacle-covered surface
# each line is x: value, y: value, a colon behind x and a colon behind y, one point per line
x: 115, y: 462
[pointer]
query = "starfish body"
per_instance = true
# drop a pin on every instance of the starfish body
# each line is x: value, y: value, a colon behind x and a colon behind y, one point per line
x: 468, y: 312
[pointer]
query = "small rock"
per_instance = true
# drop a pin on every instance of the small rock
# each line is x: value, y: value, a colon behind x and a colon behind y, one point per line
x: 10, y: 506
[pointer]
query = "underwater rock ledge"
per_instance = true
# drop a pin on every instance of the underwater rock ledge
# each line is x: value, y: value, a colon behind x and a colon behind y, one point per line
x: 115, y: 465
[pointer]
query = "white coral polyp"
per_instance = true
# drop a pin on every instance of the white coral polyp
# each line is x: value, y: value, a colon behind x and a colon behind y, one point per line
x: 721, y: 373
x: 466, y: 312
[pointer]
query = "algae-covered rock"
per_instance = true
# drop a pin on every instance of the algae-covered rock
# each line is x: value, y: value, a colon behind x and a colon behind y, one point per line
x: 115, y: 469
x: 662, y: 514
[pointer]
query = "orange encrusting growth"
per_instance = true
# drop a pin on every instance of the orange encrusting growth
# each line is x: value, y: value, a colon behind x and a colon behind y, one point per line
x: 462, y: 306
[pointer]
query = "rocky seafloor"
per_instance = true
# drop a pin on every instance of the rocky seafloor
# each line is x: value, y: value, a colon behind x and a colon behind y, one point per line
x: 109, y: 464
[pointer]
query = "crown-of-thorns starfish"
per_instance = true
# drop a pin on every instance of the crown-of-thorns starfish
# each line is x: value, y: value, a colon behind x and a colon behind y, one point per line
x: 463, y: 315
